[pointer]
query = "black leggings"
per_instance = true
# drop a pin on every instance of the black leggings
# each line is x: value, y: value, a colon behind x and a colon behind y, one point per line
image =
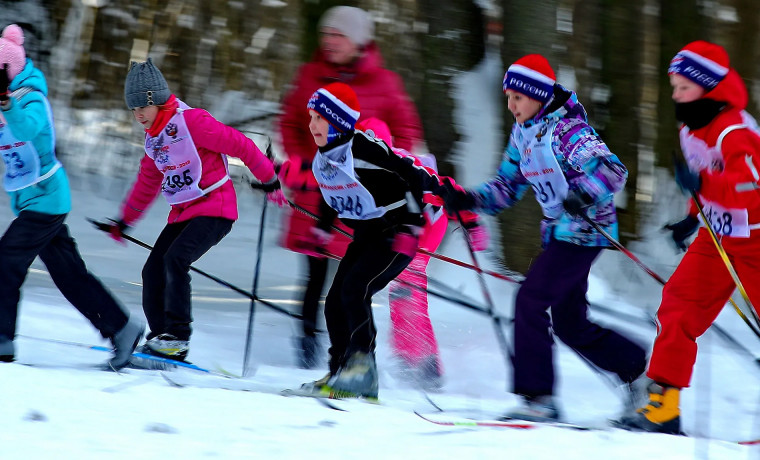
x: 166, y: 274
x: 368, y: 266
x: 32, y: 234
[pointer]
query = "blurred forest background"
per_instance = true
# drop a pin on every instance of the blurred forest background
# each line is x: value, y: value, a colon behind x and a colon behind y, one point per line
x: 237, y: 57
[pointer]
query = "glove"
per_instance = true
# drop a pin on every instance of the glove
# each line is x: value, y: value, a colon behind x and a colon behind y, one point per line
x: 407, y: 240
x: 4, y: 83
x: 455, y: 198
x: 116, y: 229
x: 268, y: 187
x: 577, y: 202
x: 314, y: 244
x: 688, y: 180
x: 296, y: 175
x: 682, y: 230
x: 479, y: 236
x: 277, y: 197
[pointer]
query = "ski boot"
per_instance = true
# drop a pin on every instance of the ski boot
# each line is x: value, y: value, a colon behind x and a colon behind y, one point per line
x: 124, y: 343
x: 168, y: 346
x: 357, y: 379
x: 308, y: 352
x: 660, y: 415
x: 7, y: 351
x: 535, y: 409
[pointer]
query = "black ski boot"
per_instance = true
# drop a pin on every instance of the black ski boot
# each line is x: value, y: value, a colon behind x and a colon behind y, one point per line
x: 7, y: 351
x: 308, y: 353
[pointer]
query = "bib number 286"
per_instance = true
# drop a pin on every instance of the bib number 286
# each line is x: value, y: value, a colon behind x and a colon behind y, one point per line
x: 346, y: 205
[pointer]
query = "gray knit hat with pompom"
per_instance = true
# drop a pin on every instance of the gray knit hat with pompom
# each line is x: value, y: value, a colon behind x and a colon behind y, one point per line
x: 145, y: 85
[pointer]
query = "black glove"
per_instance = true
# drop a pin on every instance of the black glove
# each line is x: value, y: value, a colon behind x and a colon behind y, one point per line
x: 455, y: 198
x: 577, y: 202
x: 688, y: 180
x: 682, y: 230
x: 4, y: 83
x: 267, y: 187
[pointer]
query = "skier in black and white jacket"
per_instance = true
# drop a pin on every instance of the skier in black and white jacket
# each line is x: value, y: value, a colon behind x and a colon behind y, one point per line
x: 379, y: 195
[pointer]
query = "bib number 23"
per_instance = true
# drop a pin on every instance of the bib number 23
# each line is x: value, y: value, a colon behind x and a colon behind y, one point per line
x: 346, y: 205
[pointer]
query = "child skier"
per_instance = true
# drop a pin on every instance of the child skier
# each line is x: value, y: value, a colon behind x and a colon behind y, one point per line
x: 379, y: 195
x: 554, y: 151
x: 412, y: 335
x: 721, y: 145
x: 184, y: 161
x: 41, y: 200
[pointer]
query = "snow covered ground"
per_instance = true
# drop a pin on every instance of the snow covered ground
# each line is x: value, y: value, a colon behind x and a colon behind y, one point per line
x: 61, y: 408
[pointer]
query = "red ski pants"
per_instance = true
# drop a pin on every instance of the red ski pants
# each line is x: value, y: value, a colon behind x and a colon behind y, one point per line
x: 694, y: 296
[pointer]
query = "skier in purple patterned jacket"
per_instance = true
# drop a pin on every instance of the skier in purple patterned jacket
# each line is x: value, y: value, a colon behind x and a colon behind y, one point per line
x: 554, y: 151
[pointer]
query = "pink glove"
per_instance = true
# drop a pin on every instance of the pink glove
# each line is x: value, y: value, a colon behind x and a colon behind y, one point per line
x: 277, y: 197
x: 479, y: 236
x: 296, y: 175
x: 405, y: 243
x: 116, y: 231
x: 314, y: 244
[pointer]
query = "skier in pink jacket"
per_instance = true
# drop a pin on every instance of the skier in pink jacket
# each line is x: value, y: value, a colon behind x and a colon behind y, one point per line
x: 185, y: 160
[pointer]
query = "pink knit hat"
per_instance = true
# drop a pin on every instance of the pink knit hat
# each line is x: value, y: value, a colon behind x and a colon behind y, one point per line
x: 12, y: 50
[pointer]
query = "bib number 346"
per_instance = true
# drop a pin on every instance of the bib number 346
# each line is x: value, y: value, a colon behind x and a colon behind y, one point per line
x: 346, y: 205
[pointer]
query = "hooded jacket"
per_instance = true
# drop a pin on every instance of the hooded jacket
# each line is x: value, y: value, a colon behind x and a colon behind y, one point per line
x: 381, y: 95
x: 29, y: 119
x: 732, y: 179
x: 585, y: 161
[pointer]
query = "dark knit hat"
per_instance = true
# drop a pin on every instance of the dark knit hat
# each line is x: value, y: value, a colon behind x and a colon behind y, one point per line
x: 145, y: 85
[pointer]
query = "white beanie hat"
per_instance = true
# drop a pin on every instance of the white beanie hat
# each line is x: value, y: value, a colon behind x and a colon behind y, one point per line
x: 354, y: 23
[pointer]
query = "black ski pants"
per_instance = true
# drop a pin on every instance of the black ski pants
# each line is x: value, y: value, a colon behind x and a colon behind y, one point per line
x: 315, y: 284
x: 368, y: 266
x: 166, y: 273
x: 34, y: 234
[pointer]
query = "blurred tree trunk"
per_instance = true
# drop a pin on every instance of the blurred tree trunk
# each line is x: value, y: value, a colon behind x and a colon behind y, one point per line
x: 680, y: 23
x: 621, y: 73
x: 529, y: 27
x: 738, y: 33
x: 454, y: 41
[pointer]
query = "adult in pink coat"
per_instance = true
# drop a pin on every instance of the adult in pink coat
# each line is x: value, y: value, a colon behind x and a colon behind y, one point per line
x: 348, y: 54
x: 185, y: 160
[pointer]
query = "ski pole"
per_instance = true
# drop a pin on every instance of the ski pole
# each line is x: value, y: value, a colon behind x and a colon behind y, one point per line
x: 104, y: 227
x: 654, y: 275
x: 729, y: 266
x: 508, y: 355
x: 420, y: 250
x: 256, y: 270
x: 440, y: 295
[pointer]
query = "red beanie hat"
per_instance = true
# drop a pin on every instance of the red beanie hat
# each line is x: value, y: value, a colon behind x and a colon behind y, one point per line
x: 532, y: 76
x: 337, y: 103
x: 704, y: 63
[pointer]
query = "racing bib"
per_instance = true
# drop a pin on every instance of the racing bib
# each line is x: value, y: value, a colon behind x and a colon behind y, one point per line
x: 175, y: 155
x: 541, y: 168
